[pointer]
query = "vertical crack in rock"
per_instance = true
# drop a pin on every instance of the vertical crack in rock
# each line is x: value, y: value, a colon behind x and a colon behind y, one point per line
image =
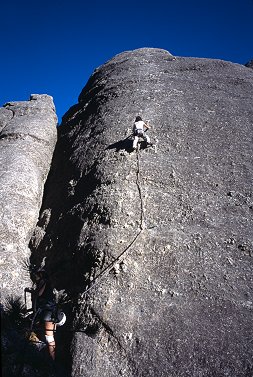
x: 121, y: 256
x: 27, y: 143
x: 142, y: 219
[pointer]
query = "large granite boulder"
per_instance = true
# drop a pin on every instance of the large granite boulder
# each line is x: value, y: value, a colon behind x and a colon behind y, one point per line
x: 27, y: 141
x: 155, y: 247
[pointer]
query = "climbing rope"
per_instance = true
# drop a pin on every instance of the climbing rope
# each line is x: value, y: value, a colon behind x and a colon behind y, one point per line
x: 119, y: 258
x: 111, y: 265
x: 139, y: 185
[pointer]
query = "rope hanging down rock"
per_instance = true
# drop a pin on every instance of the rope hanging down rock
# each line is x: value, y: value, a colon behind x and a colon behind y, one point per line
x: 119, y: 258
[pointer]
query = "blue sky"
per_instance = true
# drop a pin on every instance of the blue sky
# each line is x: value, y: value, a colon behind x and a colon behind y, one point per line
x: 53, y: 46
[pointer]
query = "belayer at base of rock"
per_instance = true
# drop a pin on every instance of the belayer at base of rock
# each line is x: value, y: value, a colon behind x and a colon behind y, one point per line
x: 44, y: 308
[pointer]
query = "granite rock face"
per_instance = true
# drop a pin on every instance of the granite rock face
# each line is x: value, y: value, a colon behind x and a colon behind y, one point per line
x: 162, y: 237
x: 27, y: 141
x: 249, y: 64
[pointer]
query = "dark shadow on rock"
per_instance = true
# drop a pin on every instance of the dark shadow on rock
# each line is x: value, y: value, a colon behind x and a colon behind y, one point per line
x: 126, y: 144
x: 143, y: 144
x: 21, y: 357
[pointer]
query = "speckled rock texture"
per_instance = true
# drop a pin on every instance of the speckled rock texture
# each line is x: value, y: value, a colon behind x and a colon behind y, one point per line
x: 27, y: 141
x: 161, y: 237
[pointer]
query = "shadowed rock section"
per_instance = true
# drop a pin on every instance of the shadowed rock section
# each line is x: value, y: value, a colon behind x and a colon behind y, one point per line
x: 249, y: 64
x: 178, y: 301
x: 27, y: 141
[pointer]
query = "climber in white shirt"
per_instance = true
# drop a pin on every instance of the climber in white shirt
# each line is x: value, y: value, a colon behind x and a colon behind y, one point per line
x: 139, y: 129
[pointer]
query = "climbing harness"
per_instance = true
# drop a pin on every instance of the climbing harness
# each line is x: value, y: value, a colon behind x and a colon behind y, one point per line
x: 57, y: 315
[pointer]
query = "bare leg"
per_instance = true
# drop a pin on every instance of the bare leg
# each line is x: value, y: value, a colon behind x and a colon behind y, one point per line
x: 147, y: 139
x: 49, y: 332
x: 136, y: 138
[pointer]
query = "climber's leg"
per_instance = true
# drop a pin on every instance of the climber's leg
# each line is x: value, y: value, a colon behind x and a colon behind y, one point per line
x: 146, y: 138
x: 135, y: 142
